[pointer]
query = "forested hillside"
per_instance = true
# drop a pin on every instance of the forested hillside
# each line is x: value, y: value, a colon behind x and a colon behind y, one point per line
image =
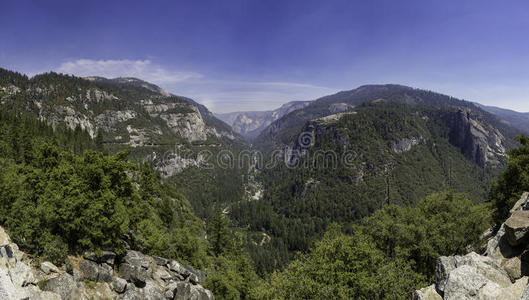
x: 347, y: 196
x: 60, y: 195
x: 347, y: 166
x: 175, y: 135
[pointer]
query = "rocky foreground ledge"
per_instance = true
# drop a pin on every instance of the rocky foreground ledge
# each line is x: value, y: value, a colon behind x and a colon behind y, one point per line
x: 501, y: 273
x: 133, y: 276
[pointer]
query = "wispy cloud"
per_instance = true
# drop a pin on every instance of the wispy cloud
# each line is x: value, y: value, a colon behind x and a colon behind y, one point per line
x: 143, y: 69
x: 218, y: 95
x: 226, y: 96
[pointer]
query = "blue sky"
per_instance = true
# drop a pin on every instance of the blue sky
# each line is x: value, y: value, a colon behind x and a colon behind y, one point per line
x: 256, y: 55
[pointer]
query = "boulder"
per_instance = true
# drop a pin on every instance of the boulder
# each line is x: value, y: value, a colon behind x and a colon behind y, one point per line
x: 107, y: 257
x: 35, y: 294
x: 161, y: 274
x: 160, y: 260
x: 134, y: 274
x: 514, y: 291
x: 199, y: 276
x: 118, y: 285
x: 147, y: 293
x: 513, y: 267
x: 8, y: 290
x: 98, y: 291
x: 95, y: 272
x: 48, y: 268
x: 525, y: 294
x: 183, y: 290
x: 4, y: 238
x: 427, y: 293
x: 153, y: 291
x: 517, y: 228
x: 485, y: 266
x: 499, y: 248
x: 178, y: 268
x: 132, y: 293
x: 465, y: 282
x: 170, y: 290
x: 22, y: 274
x: 137, y: 259
x: 7, y: 257
x: 200, y: 293
x: 62, y: 285
x: 522, y: 203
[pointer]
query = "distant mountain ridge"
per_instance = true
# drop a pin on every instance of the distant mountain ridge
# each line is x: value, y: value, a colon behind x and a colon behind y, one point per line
x: 519, y: 120
x: 281, y: 130
x: 251, y: 123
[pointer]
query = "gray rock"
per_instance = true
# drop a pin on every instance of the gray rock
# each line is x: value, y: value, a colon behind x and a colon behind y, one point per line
x: 465, y: 282
x: 499, y: 248
x: 7, y: 289
x: 153, y: 291
x: 7, y: 256
x: 405, y: 144
x: 513, y: 267
x: 427, y: 293
x: 22, y: 275
x: 62, y: 285
x: 178, y: 268
x: 197, y: 276
x: 48, y: 268
x: 137, y: 259
x: 95, y: 272
x: 183, y: 290
x: 522, y: 203
x: 517, y: 228
x: 147, y: 293
x: 134, y: 274
x: 35, y: 294
x: 200, y: 293
x: 107, y: 257
x: 161, y: 274
x: 525, y: 295
x: 118, y: 285
x: 132, y: 293
x: 170, y: 290
x: 4, y: 237
x: 160, y: 260
x: 485, y: 266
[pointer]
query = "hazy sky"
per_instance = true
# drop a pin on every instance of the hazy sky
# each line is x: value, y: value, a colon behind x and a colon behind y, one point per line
x: 256, y: 55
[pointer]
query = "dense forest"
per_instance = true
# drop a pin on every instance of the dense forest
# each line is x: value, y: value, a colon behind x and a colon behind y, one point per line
x: 300, y: 202
x: 60, y: 195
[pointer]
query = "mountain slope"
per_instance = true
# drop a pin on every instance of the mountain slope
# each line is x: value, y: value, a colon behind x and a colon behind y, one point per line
x: 178, y: 136
x: 514, y: 118
x: 251, y: 123
x: 388, y: 145
x: 284, y: 129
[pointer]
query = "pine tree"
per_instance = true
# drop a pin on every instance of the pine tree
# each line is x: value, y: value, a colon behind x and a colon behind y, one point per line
x: 219, y: 233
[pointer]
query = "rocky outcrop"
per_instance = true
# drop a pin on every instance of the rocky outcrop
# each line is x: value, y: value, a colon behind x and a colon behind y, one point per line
x: 477, y: 140
x: 97, y: 276
x: 502, y: 272
x: 405, y: 144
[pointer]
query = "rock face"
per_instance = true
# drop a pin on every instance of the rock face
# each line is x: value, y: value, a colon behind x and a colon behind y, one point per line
x: 478, y: 141
x: 129, y: 111
x: 517, y: 227
x: 131, y: 276
x: 501, y: 273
